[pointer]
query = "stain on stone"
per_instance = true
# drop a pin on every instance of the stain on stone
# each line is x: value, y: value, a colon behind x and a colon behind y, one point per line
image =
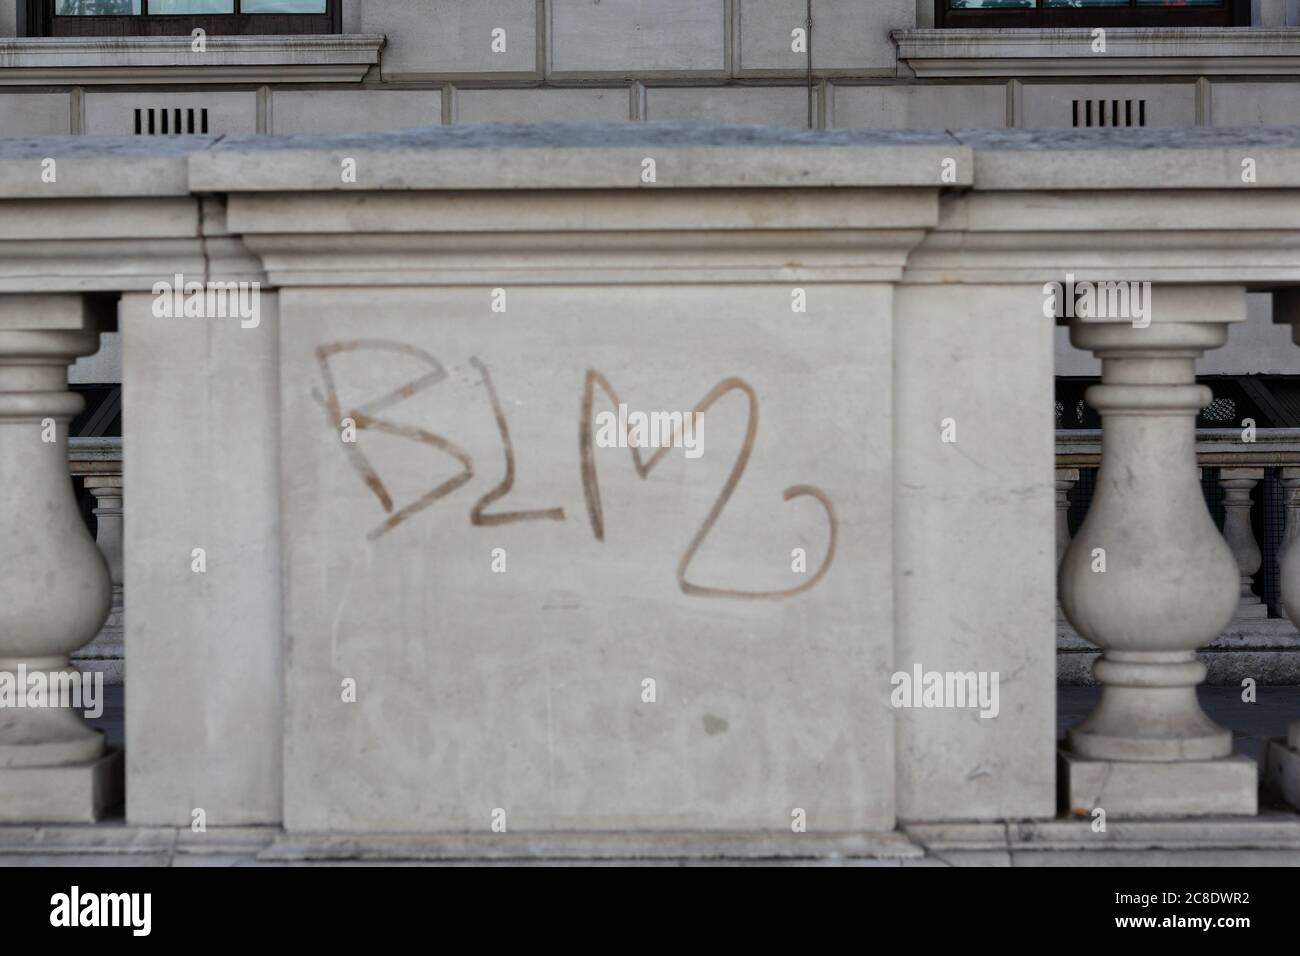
x: 714, y: 725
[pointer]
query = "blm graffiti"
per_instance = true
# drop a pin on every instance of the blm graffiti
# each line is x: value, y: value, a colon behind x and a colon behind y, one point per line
x: 367, y: 416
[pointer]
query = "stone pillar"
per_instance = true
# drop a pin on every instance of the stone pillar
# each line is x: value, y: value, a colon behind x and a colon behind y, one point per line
x: 55, y: 589
x: 1282, y: 756
x: 1289, y: 479
x: 1148, y: 577
x: 1066, y: 479
x: 106, y: 653
x: 1237, y: 484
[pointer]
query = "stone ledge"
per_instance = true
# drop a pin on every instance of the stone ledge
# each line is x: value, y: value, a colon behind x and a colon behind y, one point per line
x: 685, y: 845
x: 1271, y: 830
x: 1272, y: 837
x: 53, y: 61
x: 1166, y: 51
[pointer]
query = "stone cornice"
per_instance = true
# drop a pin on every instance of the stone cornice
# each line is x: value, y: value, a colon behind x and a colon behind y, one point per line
x: 54, y: 61
x: 1168, y: 51
x: 1171, y: 206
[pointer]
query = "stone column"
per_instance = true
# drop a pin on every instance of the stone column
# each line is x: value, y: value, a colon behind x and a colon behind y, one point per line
x: 1282, y: 756
x: 1237, y: 484
x: 55, y: 588
x: 106, y: 652
x: 1148, y: 577
x: 1066, y: 479
x: 1289, y: 479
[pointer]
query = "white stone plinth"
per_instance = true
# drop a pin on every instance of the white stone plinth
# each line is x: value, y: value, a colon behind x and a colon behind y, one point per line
x: 67, y: 793
x: 1282, y: 765
x: 1226, y: 786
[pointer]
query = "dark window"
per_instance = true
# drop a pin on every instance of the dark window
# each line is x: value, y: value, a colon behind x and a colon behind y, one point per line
x: 1091, y: 13
x: 62, y: 18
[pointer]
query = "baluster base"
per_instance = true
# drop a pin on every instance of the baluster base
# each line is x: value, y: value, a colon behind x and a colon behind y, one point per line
x: 1251, y: 612
x: 1282, y: 766
x: 69, y: 793
x: 1186, y: 788
x: 1148, y: 711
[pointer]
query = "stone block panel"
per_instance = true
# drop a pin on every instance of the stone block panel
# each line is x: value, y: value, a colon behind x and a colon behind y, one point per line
x: 540, y: 106
x: 950, y: 106
x: 847, y: 35
x: 1255, y: 104
x: 571, y: 661
x: 454, y: 37
x: 665, y: 36
x: 353, y: 111
x: 766, y: 105
x: 35, y: 114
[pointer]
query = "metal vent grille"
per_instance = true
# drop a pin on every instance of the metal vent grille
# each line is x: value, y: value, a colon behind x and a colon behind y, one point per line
x: 1091, y: 113
x: 171, y: 121
x: 1221, y: 411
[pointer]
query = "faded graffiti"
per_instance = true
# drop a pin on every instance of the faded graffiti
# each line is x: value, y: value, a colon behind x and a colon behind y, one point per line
x: 366, y: 417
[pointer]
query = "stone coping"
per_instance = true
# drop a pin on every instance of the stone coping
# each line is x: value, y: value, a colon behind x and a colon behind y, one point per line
x: 586, y: 156
x: 339, y: 58
x: 90, y: 167
x: 510, y: 156
x: 1195, y: 158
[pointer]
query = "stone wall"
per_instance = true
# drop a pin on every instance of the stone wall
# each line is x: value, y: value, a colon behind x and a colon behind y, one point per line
x: 860, y: 315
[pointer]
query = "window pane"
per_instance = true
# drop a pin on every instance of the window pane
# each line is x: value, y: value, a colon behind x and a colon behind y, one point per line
x: 282, y: 6
x: 1083, y: 4
x: 169, y: 7
x: 989, y: 4
x: 96, y: 8
x: 1180, y: 3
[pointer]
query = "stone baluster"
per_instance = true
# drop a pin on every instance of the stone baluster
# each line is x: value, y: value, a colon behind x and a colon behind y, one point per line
x: 55, y: 588
x: 1066, y: 479
x: 1237, y: 484
x: 1282, y: 756
x: 106, y: 651
x: 1148, y: 577
x: 1289, y: 479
